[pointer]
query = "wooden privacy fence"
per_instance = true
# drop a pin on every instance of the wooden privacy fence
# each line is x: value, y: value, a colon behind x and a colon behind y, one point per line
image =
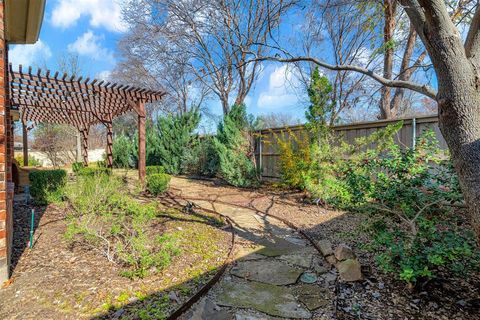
x: 267, y: 151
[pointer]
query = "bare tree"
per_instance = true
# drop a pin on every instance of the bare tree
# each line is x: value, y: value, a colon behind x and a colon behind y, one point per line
x: 213, y: 36
x: 276, y: 120
x: 456, y: 63
x: 346, y: 31
x: 411, y: 55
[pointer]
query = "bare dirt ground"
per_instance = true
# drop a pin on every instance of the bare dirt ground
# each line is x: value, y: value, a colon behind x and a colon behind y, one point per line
x: 379, y: 296
x: 55, y: 280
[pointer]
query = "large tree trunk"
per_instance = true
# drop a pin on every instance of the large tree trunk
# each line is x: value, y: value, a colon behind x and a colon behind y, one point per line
x: 459, y: 115
x: 390, y: 8
x: 457, y: 68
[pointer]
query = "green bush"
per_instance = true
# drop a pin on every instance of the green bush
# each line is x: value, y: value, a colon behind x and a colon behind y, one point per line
x: 89, y: 171
x: 154, y: 170
x: 157, y: 183
x: 124, y: 152
x: 170, y: 139
x: 234, y: 150
x: 439, y: 245
x: 47, y: 185
x: 32, y: 161
x: 410, y: 188
x: 202, y: 158
x: 117, y: 226
x: 77, y: 166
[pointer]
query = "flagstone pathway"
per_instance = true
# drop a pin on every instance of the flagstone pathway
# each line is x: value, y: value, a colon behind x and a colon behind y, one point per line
x: 276, y: 274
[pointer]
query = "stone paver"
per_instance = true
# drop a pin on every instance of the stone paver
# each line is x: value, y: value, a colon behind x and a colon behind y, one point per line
x: 270, y: 271
x: 270, y: 258
x: 271, y: 299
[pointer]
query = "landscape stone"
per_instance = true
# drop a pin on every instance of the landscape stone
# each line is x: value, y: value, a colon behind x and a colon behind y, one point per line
x: 302, y: 260
x: 267, y: 271
x: 331, y: 259
x: 275, y: 246
x: 343, y: 252
x: 325, y: 247
x: 270, y: 299
x: 207, y: 309
x: 350, y: 270
x: 319, y: 266
x: 308, y: 277
x: 313, y: 296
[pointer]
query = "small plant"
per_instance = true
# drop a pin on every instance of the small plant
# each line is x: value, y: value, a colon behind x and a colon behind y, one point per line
x: 90, y: 171
x: 77, y: 166
x: 157, y: 183
x: 32, y: 161
x: 154, y: 170
x: 47, y: 185
x: 107, y: 220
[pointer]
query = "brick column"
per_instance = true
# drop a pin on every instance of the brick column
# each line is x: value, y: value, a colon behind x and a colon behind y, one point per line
x: 6, y: 151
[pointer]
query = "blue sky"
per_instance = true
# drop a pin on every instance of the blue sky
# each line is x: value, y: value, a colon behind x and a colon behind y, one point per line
x: 91, y: 29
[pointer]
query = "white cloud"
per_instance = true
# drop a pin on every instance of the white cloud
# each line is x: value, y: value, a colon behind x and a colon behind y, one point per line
x: 102, y: 13
x: 281, y: 90
x: 103, y: 75
x: 88, y: 44
x: 29, y: 54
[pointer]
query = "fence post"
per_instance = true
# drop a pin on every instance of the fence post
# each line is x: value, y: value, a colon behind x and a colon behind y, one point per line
x: 414, y: 132
x: 260, y: 154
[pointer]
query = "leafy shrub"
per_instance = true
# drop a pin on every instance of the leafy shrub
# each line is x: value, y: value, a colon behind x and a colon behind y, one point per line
x: 32, y: 161
x: 154, y: 170
x: 234, y: 149
x: 438, y: 245
x: 47, y: 185
x: 89, y: 171
x: 157, y: 183
x: 77, y: 166
x: 107, y: 219
x: 410, y: 187
x: 330, y: 170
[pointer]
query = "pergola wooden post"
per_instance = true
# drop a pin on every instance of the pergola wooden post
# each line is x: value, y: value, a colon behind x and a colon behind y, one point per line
x: 84, y: 135
x: 141, y: 142
x: 25, y: 144
x: 109, y: 152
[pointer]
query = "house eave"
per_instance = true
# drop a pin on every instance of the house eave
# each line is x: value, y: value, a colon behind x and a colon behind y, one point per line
x: 23, y: 20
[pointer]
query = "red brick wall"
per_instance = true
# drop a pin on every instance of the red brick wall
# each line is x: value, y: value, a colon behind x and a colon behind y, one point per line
x: 6, y: 144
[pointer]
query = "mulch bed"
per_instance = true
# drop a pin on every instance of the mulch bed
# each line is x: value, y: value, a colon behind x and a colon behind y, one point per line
x: 58, y: 280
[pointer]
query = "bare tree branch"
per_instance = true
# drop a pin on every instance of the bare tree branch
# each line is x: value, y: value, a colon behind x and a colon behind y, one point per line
x: 472, y: 43
x: 423, y: 89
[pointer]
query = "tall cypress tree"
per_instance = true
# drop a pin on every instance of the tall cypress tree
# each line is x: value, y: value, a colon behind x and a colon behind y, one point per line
x: 234, y: 149
x: 321, y: 105
x: 170, y: 140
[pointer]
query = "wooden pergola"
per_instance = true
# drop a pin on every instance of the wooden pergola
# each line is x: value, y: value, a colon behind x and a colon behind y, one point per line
x: 62, y: 99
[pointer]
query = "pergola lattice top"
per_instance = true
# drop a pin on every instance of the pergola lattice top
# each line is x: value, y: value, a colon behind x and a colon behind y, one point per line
x: 43, y: 97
